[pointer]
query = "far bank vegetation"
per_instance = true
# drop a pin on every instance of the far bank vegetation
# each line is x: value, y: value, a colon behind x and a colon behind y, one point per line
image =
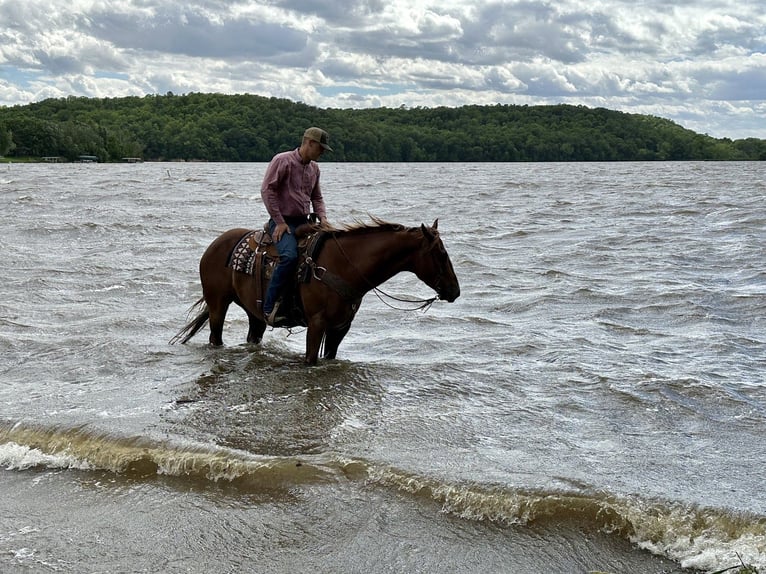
x: 217, y: 127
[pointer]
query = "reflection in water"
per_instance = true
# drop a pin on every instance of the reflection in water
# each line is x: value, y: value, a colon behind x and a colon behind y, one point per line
x: 255, y: 400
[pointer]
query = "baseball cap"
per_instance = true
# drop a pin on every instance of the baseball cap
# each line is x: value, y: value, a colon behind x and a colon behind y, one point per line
x: 318, y: 135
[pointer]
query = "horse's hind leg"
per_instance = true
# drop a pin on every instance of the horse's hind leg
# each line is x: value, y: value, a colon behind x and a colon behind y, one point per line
x: 218, y: 310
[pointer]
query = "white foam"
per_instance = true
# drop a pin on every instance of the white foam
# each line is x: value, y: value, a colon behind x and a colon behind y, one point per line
x: 706, y: 540
x: 710, y: 553
x: 14, y: 456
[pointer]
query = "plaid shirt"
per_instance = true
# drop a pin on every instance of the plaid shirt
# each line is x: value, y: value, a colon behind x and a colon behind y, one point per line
x: 290, y: 187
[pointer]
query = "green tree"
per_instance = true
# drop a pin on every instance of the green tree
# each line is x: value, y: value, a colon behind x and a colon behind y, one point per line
x: 6, y: 140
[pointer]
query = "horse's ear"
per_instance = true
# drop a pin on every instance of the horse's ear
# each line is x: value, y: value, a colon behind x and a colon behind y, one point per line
x: 436, y: 223
x: 428, y: 233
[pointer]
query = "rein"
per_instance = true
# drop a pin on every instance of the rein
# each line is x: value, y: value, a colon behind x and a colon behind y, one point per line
x: 423, y: 304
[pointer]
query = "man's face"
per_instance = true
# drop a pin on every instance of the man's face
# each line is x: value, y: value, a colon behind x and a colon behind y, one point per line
x: 315, y: 150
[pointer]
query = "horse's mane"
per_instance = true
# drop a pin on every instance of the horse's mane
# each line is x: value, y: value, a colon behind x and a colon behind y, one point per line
x: 378, y: 224
x: 355, y: 228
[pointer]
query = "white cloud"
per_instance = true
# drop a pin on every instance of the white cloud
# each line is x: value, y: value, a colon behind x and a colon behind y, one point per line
x: 699, y: 62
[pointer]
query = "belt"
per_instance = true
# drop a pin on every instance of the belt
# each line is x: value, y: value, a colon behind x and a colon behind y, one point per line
x: 296, y: 219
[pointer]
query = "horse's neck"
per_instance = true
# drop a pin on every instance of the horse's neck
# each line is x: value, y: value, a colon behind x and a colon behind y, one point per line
x: 379, y: 256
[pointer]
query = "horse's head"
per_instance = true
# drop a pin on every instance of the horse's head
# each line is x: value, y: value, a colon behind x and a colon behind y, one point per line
x: 434, y: 266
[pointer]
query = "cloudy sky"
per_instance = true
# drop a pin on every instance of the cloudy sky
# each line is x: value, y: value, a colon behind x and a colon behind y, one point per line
x: 701, y: 63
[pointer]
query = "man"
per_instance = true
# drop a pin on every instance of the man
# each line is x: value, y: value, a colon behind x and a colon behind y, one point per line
x: 290, y: 187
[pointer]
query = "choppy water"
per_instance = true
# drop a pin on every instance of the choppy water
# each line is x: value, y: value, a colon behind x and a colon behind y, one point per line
x: 594, y: 400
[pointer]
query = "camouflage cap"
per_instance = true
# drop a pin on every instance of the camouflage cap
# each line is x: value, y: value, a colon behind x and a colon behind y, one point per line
x: 318, y: 135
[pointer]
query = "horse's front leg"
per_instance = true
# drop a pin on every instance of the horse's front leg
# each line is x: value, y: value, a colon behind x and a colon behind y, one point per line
x: 314, y: 335
x: 256, y: 329
x: 332, y: 341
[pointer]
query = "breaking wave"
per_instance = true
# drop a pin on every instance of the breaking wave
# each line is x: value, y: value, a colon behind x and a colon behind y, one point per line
x: 23, y: 447
x: 696, y: 537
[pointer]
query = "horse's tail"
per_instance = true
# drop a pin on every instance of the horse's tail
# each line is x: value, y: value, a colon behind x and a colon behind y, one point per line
x: 191, y: 328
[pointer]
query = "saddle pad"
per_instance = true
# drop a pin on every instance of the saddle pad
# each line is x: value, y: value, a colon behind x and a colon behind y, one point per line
x: 242, y: 257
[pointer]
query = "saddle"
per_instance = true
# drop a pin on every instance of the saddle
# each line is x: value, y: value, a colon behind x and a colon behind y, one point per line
x: 256, y: 254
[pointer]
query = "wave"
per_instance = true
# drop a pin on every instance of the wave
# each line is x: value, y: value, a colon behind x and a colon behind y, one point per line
x: 694, y: 536
x: 28, y: 447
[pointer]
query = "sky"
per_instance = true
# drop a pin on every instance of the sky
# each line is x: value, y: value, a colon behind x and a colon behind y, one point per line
x: 700, y: 63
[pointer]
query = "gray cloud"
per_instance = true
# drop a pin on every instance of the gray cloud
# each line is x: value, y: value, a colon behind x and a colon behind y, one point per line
x: 181, y: 30
x: 736, y: 85
x: 348, y: 14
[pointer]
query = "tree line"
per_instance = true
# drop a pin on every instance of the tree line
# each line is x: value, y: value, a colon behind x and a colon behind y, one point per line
x: 218, y: 127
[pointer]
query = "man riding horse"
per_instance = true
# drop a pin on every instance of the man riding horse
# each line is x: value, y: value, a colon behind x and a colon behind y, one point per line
x: 290, y: 189
x: 343, y: 264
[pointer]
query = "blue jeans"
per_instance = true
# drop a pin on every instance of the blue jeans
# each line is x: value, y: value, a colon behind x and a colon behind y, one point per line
x: 287, y: 248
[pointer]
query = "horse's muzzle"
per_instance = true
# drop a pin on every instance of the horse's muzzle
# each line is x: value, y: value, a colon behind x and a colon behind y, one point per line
x: 450, y: 294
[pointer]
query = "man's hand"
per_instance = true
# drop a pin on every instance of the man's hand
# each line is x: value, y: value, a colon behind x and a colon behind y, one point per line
x: 279, y: 230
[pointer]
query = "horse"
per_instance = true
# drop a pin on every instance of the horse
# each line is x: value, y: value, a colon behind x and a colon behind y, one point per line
x: 354, y: 260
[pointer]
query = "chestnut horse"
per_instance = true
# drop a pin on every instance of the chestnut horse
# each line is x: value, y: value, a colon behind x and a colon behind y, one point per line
x: 352, y: 262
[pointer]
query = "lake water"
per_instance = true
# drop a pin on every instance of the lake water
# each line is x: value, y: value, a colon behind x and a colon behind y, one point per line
x: 595, y: 400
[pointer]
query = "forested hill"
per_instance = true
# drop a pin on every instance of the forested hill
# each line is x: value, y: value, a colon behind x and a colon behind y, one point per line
x: 218, y: 127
